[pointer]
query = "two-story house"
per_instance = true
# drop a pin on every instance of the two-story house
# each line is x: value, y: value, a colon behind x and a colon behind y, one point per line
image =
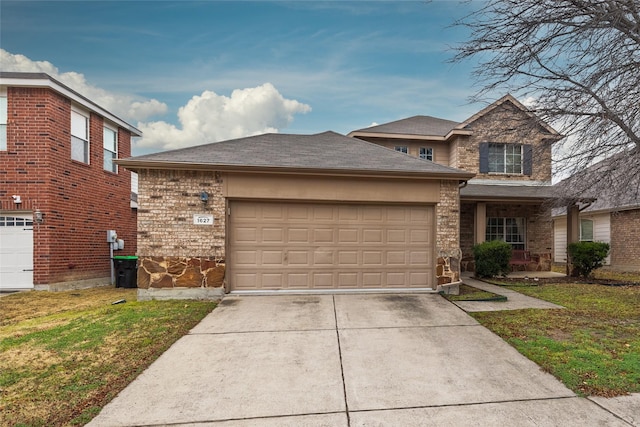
x: 60, y: 187
x: 509, y: 151
x: 373, y: 210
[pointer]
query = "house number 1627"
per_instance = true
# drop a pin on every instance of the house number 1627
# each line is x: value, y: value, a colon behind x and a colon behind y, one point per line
x: 202, y: 219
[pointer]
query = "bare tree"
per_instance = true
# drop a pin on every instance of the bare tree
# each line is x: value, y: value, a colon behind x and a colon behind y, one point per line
x: 578, y: 62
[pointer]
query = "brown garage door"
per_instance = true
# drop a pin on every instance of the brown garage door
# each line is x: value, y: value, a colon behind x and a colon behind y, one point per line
x: 330, y: 246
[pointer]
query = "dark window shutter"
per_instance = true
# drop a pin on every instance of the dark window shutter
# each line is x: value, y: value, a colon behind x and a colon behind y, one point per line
x: 484, y: 157
x: 527, y: 159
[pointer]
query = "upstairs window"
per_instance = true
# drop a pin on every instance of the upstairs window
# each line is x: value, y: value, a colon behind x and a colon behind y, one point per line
x: 79, y: 137
x: 110, y: 144
x: 510, y: 230
x: 426, y: 153
x: 505, y: 158
x: 509, y: 159
x: 402, y: 149
x: 586, y: 230
x: 3, y: 122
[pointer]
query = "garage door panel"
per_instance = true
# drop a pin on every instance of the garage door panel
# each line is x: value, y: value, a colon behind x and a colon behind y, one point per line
x: 323, y: 235
x: 298, y: 235
x: 348, y: 258
x: 346, y: 235
x: 325, y: 246
x: 323, y: 280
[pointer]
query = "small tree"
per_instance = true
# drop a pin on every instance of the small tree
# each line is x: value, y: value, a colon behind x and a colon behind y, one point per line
x: 492, y: 258
x: 587, y: 256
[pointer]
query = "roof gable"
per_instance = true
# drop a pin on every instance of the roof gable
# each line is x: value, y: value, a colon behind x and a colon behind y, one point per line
x: 509, y: 99
x: 327, y: 151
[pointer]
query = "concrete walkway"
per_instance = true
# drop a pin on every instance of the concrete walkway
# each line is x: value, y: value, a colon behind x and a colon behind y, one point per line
x: 515, y: 300
x: 346, y: 360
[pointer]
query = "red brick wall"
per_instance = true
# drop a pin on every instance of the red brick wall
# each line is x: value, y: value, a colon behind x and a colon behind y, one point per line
x: 625, y: 239
x: 79, y: 201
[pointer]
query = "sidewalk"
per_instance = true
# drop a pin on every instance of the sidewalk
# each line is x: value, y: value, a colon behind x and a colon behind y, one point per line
x: 515, y: 300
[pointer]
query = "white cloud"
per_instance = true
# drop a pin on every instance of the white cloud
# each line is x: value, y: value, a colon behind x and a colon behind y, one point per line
x: 210, y: 117
x: 125, y: 106
x: 207, y: 117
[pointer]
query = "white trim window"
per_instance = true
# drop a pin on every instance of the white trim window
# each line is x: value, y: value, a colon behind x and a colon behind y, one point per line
x: 426, y: 153
x: 510, y: 230
x: 402, y: 149
x: 79, y: 136
x: 505, y: 158
x: 3, y: 121
x: 586, y: 230
x: 110, y: 145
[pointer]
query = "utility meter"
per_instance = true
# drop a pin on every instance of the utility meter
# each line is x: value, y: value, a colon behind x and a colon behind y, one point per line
x: 112, y: 236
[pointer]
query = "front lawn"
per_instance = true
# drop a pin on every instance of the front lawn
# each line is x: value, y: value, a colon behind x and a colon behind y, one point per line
x: 592, y: 346
x: 64, y: 355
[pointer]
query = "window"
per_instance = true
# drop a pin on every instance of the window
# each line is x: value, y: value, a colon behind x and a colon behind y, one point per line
x: 3, y: 122
x: 79, y: 137
x: 10, y: 221
x: 110, y: 143
x: 426, y: 153
x: 586, y: 230
x: 505, y: 158
x: 510, y: 230
x: 402, y: 149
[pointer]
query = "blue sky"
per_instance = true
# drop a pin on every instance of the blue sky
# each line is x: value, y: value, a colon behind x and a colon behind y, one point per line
x: 296, y: 67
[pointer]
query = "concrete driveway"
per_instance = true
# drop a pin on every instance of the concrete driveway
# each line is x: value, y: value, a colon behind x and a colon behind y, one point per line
x: 346, y: 360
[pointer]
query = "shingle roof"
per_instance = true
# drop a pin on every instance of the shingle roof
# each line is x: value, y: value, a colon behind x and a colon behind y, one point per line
x: 416, y: 125
x: 323, y: 151
x: 519, y: 192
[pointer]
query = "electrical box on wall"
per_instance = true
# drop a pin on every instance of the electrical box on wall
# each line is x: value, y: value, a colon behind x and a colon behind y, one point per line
x: 112, y: 236
x: 120, y: 245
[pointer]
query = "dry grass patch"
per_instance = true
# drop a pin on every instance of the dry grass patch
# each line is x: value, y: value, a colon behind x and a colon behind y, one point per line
x: 64, y: 355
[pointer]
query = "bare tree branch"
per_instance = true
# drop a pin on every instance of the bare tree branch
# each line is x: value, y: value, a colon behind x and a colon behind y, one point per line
x: 579, y: 60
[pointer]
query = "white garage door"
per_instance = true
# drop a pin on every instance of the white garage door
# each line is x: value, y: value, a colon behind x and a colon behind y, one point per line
x: 16, y: 252
x: 329, y: 246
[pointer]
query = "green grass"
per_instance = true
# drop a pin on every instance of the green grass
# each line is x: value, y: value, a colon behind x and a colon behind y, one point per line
x: 592, y: 346
x: 64, y: 355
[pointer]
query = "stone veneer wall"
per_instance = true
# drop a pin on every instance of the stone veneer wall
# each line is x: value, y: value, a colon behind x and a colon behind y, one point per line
x: 447, y: 233
x: 508, y: 125
x: 173, y: 252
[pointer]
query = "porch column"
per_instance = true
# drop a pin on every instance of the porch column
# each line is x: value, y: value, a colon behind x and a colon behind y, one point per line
x: 481, y: 222
x: 573, y: 231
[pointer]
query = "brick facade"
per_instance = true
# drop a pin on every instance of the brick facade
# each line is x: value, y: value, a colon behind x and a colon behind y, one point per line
x: 173, y: 252
x: 79, y: 201
x: 625, y: 238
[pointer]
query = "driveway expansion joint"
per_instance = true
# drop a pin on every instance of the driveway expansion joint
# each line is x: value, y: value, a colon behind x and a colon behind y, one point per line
x: 344, y: 386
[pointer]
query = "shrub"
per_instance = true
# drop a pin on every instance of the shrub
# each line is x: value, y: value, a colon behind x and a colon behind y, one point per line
x: 492, y: 258
x: 587, y: 256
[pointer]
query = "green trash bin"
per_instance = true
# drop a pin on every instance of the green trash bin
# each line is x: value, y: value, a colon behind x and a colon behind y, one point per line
x: 126, y: 271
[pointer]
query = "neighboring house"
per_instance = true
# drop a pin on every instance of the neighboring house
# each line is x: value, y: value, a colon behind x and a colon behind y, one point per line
x: 326, y: 212
x: 605, y: 215
x: 60, y: 188
x: 509, y: 151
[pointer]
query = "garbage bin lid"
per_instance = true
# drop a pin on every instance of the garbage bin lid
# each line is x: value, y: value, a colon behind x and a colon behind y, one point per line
x: 125, y: 257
